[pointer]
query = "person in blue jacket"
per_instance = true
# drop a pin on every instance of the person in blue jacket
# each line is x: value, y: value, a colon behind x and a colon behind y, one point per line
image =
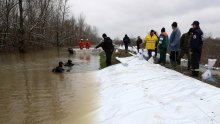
x: 196, y: 44
x: 174, y: 45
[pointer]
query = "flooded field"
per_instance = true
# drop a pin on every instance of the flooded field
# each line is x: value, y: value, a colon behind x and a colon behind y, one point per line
x: 31, y: 94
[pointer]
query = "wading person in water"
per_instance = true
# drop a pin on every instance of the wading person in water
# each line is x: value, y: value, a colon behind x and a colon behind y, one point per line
x: 87, y: 44
x: 59, y: 68
x: 108, y: 48
x: 81, y: 44
x: 69, y: 63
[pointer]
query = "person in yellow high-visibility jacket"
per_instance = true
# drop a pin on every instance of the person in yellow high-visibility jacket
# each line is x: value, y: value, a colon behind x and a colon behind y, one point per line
x: 150, y: 41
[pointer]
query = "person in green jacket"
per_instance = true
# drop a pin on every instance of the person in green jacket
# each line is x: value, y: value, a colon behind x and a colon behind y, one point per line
x: 184, y: 46
x: 162, y: 45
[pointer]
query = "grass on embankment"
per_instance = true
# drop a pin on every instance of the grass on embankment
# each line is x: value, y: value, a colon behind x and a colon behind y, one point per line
x: 120, y: 53
x: 186, y: 72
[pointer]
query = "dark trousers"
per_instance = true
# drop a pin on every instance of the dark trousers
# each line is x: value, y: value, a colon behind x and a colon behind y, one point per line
x: 195, y: 58
x: 138, y: 48
x: 126, y: 47
x: 108, y: 55
x: 155, y: 52
x: 150, y: 53
x: 187, y: 53
x: 174, y: 55
x: 163, y: 52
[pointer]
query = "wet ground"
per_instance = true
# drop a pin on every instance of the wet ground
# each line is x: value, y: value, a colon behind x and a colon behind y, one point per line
x: 31, y: 94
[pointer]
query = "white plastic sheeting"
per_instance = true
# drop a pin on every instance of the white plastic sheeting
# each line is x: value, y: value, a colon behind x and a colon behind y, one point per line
x: 144, y: 93
x: 208, y: 75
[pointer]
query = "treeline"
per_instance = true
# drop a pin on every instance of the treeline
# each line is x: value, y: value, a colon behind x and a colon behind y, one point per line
x: 26, y: 24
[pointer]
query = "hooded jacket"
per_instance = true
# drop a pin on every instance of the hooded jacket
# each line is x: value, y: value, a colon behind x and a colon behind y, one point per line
x: 174, y: 44
x: 163, y: 40
x: 150, y: 42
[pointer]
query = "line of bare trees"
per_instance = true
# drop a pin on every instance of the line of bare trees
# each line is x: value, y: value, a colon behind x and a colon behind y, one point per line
x: 41, y: 23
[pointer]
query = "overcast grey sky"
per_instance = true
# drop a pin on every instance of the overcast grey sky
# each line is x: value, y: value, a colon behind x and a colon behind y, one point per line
x: 138, y: 17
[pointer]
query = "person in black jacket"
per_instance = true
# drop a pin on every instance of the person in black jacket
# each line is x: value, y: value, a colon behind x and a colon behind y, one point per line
x: 59, y: 68
x: 70, y: 50
x: 138, y: 43
x: 69, y: 63
x: 127, y: 42
x: 196, y: 43
x: 108, y: 47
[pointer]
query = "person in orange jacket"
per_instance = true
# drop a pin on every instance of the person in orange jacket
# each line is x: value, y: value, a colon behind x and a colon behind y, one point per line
x: 87, y: 44
x: 81, y: 44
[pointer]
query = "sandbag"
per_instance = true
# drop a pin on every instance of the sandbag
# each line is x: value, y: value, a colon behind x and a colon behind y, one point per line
x: 211, y: 63
x: 207, y: 75
x: 151, y: 60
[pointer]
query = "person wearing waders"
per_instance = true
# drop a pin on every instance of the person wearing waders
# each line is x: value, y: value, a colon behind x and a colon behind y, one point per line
x: 108, y: 48
x: 162, y: 45
x: 196, y: 44
x: 127, y: 42
x: 150, y: 41
x: 87, y: 44
x: 174, y: 45
x: 59, y: 68
x: 184, y: 46
x: 81, y: 44
x: 138, y: 43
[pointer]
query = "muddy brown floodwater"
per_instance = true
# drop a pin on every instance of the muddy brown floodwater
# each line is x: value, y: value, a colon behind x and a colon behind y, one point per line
x: 31, y: 94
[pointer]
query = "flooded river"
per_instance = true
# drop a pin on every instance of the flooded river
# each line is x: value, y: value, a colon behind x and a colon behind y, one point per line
x: 31, y: 94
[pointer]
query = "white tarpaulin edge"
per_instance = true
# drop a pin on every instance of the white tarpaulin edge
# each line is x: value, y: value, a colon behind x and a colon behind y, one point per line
x: 144, y: 93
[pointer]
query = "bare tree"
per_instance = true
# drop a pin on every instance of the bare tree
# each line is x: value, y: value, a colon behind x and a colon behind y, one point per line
x: 41, y: 23
x: 21, y: 28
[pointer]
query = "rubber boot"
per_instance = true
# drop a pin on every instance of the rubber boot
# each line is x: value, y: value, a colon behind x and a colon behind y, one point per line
x: 195, y: 73
x: 188, y: 68
x: 173, y: 65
